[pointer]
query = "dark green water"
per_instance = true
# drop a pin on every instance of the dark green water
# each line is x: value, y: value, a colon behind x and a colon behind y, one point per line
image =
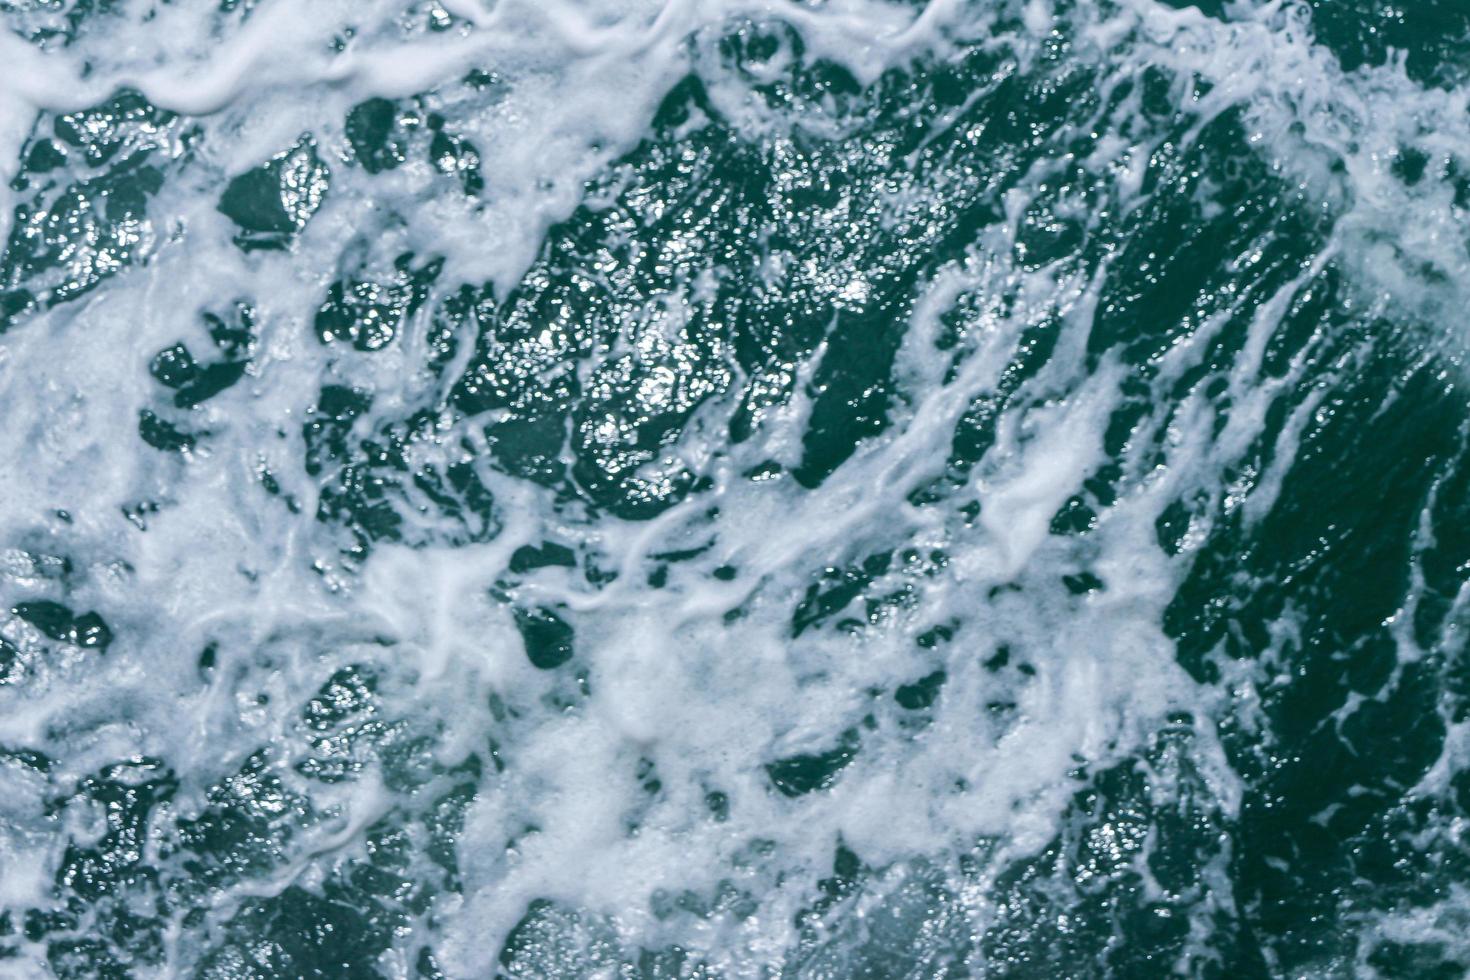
x: 810, y: 490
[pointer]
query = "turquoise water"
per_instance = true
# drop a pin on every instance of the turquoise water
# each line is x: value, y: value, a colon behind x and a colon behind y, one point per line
x: 751, y: 488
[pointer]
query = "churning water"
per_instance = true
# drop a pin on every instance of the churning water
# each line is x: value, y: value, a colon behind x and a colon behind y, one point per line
x: 734, y: 488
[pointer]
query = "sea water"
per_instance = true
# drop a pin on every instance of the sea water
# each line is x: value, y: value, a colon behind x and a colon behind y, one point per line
x: 734, y: 488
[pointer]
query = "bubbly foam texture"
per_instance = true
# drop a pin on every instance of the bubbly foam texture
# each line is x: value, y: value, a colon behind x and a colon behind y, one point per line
x: 688, y: 676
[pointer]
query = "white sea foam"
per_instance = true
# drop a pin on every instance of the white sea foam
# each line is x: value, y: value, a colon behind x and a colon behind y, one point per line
x: 708, y: 700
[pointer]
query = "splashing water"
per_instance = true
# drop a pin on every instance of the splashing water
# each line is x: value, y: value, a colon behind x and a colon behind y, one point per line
x: 748, y: 489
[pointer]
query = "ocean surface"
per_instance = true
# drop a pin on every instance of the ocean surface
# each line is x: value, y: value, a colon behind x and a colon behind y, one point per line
x: 707, y: 489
